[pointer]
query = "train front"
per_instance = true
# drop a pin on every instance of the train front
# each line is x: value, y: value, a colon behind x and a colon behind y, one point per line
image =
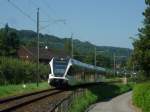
x: 58, y: 72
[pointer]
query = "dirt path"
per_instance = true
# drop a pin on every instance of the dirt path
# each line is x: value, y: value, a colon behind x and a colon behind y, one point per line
x: 118, y: 104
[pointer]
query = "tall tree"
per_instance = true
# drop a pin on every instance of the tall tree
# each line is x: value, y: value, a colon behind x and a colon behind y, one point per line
x: 141, y: 55
x: 1, y: 42
x: 103, y: 61
x: 67, y: 46
x: 9, y: 42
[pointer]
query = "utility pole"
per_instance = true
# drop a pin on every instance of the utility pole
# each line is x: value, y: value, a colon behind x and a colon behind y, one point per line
x: 95, y: 56
x: 72, y: 52
x: 114, y: 64
x: 95, y: 62
x: 38, y: 47
x: 133, y: 67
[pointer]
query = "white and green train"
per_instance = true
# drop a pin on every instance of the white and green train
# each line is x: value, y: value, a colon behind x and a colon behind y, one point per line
x: 70, y: 72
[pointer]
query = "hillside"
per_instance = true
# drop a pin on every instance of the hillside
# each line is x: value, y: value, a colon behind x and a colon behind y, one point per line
x: 28, y: 37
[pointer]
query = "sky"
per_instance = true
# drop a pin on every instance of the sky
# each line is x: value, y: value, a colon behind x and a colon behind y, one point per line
x: 101, y: 22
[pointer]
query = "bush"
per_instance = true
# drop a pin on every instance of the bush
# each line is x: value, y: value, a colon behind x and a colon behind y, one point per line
x: 141, y: 96
x: 140, y: 77
x: 97, y: 93
x: 15, y: 71
x: 82, y: 102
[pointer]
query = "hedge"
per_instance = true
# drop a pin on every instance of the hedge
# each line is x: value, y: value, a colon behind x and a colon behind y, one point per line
x: 141, y: 96
x: 15, y: 71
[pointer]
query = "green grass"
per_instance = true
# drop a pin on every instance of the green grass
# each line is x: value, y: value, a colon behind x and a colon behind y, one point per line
x: 141, y: 96
x: 82, y: 102
x: 10, y: 90
x: 98, y: 93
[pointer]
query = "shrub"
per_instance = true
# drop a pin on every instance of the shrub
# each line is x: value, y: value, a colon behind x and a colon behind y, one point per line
x: 141, y: 96
x: 80, y: 103
x: 97, y: 93
x: 14, y: 71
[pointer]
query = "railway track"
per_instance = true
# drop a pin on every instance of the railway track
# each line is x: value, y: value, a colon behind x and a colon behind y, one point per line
x: 40, y: 101
x: 13, y: 103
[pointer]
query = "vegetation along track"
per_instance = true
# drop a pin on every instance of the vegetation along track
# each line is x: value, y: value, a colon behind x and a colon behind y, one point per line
x: 15, y: 102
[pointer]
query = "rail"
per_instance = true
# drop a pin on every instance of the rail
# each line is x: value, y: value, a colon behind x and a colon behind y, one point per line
x: 64, y: 105
x: 12, y: 103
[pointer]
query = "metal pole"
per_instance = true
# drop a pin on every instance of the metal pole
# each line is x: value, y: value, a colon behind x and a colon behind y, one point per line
x: 72, y: 52
x: 95, y: 57
x: 133, y: 68
x: 114, y: 64
x: 95, y: 64
x: 38, y: 47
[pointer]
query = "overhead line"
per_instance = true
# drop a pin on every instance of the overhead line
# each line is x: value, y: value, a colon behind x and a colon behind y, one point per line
x: 21, y: 11
x: 46, y: 26
x: 48, y: 15
x: 48, y: 6
x: 42, y: 10
x: 28, y: 16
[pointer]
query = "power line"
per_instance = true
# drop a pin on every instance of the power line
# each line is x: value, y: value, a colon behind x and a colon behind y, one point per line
x: 68, y: 27
x: 61, y: 20
x: 55, y: 20
x: 54, y: 12
x: 46, y: 26
x: 49, y: 17
x: 21, y: 11
x: 49, y: 7
x: 46, y: 14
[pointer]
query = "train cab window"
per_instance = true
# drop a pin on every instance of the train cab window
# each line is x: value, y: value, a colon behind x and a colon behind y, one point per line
x: 59, y: 67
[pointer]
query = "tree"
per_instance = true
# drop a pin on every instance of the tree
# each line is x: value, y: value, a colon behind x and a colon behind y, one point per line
x: 141, y: 54
x: 9, y: 42
x: 1, y: 42
x: 89, y: 58
x: 67, y: 46
x: 103, y: 61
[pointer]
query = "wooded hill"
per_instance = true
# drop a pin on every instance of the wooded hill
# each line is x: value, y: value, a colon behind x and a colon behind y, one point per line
x: 28, y: 38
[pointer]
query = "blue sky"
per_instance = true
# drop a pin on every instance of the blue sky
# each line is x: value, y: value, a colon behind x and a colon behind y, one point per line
x: 101, y: 22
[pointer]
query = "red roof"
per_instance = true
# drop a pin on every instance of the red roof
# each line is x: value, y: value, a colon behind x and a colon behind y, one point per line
x: 43, y: 53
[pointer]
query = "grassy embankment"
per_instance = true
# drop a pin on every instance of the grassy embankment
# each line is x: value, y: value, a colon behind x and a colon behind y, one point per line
x: 10, y: 90
x: 141, y: 96
x: 97, y: 93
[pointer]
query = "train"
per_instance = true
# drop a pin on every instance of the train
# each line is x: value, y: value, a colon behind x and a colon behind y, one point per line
x: 70, y: 72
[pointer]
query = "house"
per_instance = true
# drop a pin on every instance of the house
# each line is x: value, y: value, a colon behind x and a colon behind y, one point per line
x: 45, y: 55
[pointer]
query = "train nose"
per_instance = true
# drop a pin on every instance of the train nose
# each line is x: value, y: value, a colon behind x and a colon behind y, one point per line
x: 58, y: 82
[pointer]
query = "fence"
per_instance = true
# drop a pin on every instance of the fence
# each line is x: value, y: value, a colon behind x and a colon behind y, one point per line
x: 63, y: 105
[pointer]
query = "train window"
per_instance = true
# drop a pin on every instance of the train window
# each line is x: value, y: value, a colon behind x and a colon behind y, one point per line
x: 71, y: 71
x: 59, y: 67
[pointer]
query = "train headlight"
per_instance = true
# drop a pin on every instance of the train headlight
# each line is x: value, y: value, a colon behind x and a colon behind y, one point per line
x: 61, y: 59
x: 51, y: 75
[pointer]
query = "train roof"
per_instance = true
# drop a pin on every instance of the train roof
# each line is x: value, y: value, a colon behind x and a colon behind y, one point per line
x: 84, y: 65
